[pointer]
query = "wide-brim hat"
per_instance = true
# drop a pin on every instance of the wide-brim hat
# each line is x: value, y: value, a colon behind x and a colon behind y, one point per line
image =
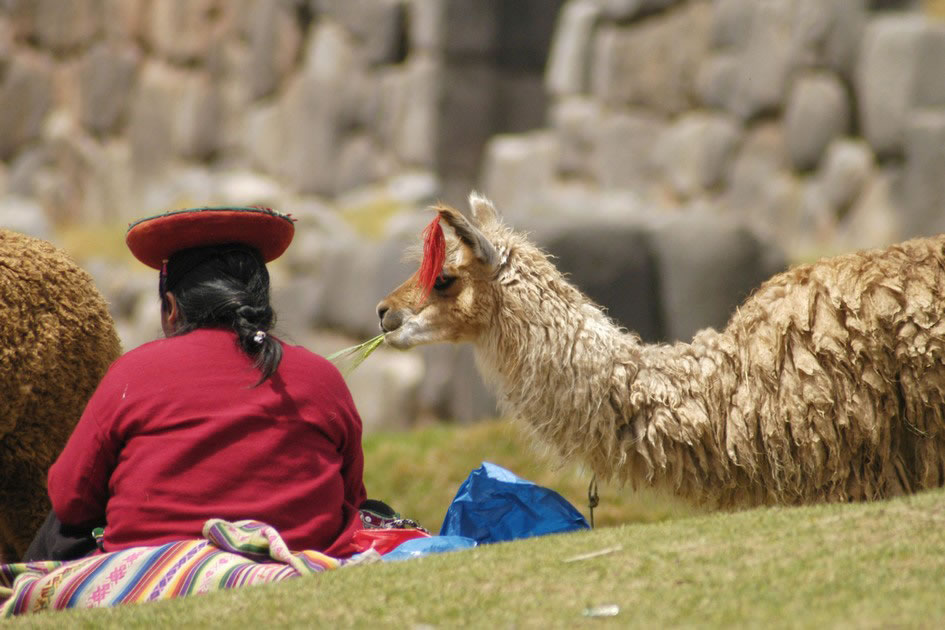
x: 153, y: 240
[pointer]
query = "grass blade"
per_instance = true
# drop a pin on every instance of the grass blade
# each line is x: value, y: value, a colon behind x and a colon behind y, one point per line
x: 348, y: 359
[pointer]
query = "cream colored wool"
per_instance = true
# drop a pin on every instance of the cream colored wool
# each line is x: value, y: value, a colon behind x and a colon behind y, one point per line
x: 56, y: 341
x: 827, y: 384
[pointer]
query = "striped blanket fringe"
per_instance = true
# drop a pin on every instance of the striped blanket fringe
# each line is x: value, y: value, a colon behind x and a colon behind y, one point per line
x: 230, y: 555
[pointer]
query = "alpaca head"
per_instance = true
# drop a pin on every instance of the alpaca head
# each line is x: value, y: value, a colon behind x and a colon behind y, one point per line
x: 465, y: 294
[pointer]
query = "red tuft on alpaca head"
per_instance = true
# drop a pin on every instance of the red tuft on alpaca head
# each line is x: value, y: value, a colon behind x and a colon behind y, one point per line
x: 434, y: 255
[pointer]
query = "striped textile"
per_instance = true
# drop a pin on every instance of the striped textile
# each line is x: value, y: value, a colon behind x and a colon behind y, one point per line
x: 230, y: 555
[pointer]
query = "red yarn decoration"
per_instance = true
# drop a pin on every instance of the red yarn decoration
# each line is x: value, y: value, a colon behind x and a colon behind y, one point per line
x: 434, y: 255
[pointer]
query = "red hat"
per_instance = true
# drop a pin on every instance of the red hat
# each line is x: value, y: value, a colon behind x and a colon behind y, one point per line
x: 155, y: 239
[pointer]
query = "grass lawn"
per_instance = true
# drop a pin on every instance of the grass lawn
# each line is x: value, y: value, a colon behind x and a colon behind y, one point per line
x: 840, y: 566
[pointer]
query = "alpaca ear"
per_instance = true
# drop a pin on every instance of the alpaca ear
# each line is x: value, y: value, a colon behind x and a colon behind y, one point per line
x: 483, y: 210
x: 474, y: 240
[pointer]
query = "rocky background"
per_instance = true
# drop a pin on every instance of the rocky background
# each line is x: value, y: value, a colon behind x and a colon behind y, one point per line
x: 671, y: 153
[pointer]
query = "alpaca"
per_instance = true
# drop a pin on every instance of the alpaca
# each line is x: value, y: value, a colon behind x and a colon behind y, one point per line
x: 827, y: 384
x: 56, y: 341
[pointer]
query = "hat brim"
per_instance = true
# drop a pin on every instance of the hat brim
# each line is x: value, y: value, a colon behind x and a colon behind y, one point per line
x: 154, y: 240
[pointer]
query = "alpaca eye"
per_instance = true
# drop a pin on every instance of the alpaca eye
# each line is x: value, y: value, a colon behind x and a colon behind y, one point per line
x: 443, y: 282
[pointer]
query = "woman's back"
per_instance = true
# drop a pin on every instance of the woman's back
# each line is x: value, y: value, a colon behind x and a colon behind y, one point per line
x: 179, y: 432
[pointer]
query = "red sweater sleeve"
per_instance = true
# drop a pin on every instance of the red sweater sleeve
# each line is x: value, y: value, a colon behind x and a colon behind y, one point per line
x: 78, y: 480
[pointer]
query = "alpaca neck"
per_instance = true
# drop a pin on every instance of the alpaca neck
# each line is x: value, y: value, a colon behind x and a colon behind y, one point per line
x: 631, y: 411
x: 558, y: 363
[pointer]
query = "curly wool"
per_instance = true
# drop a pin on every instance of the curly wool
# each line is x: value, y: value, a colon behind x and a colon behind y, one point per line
x: 56, y: 341
x: 827, y: 384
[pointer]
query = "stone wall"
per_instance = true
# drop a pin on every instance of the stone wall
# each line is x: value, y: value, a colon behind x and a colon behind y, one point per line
x: 819, y: 123
x: 117, y: 108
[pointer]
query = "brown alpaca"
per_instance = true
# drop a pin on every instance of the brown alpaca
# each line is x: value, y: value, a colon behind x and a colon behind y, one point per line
x: 56, y: 341
x: 827, y: 384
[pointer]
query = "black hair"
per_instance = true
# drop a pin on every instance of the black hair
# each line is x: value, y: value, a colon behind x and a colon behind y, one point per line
x: 225, y: 286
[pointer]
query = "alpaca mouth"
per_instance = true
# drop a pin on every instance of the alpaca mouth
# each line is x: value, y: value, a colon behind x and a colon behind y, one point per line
x: 402, y: 338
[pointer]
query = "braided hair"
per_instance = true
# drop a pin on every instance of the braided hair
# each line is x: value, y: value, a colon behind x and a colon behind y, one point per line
x: 225, y: 286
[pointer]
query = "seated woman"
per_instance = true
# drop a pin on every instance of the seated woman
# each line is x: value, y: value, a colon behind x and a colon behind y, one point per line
x: 220, y: 419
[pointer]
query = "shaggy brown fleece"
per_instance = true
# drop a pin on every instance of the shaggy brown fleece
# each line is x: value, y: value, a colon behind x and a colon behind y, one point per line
x: 56, y: 341
x: 827, y: 384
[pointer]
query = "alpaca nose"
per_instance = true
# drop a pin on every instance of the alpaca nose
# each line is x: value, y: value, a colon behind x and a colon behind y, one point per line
x: 390, y: 320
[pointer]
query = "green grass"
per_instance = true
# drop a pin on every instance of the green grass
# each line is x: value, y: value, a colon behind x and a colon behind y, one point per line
x: 875, y: 565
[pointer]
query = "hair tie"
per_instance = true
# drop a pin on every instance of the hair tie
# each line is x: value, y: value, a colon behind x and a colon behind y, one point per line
x: 259, y: 336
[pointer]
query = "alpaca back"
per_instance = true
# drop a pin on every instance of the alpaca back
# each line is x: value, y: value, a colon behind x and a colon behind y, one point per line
x: 842, y: 388
x: 56, y: 341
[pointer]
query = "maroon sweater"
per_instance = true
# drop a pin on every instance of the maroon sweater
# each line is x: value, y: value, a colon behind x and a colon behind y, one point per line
x: 176, y: 434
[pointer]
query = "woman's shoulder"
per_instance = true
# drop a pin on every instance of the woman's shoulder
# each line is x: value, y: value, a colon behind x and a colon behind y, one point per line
x: 159, y: 351
x: 302, y: 356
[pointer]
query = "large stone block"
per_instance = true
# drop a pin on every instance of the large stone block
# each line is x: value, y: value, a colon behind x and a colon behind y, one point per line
x: 622, y: 155
x: 574, y: 122
x: 873, y: 220
x: 24, y: 215
x: 410, y: 111
x: 452, y: 387
x: 330, y: 52
x: 715, y: 80
x: 568, y: 70
x: 695, y: 152
x: 67, y: 26
x: 653, y: 63
x: 845, y: 171
x: 184, y: 31
x: 817, y: 112
x: 731, y: 23
x: 516, y: 169
x: 151, y: 117
x: 466, y: 114
x: 924, y: 196
x: 764, y: 62
x: 613, y: 263
x: 313, y: 107
x: 827, y: 34
x: 425, y: 21
x: 380, y: 26
x: 197, y: 117
x: 263, y: 138
x: 174, y: 112
x: 347, y: 277
x: 360, y: 162
x: 886, y: 79
x: 108, y: 195
x: 929, y: 89
x: 470, y: 29
x: 521, y: 103
x: 126, y: 20
x: 274, y: 42
x: 26, y: 97
x: 707, y: 266
x: 106, y: 77
x: 762, y: 190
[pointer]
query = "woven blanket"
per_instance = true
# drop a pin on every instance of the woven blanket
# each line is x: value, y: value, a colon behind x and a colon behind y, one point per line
x: 230, y: 555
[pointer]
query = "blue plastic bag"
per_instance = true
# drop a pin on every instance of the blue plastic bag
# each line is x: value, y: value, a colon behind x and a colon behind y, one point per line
x: 494, y: 505
x: 417, y: 547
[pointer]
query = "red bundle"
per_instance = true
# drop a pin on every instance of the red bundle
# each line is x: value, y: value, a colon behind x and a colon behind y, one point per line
x: 434, y: 255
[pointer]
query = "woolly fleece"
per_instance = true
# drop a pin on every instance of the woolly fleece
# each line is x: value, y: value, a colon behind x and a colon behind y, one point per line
x: 56, y: 341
